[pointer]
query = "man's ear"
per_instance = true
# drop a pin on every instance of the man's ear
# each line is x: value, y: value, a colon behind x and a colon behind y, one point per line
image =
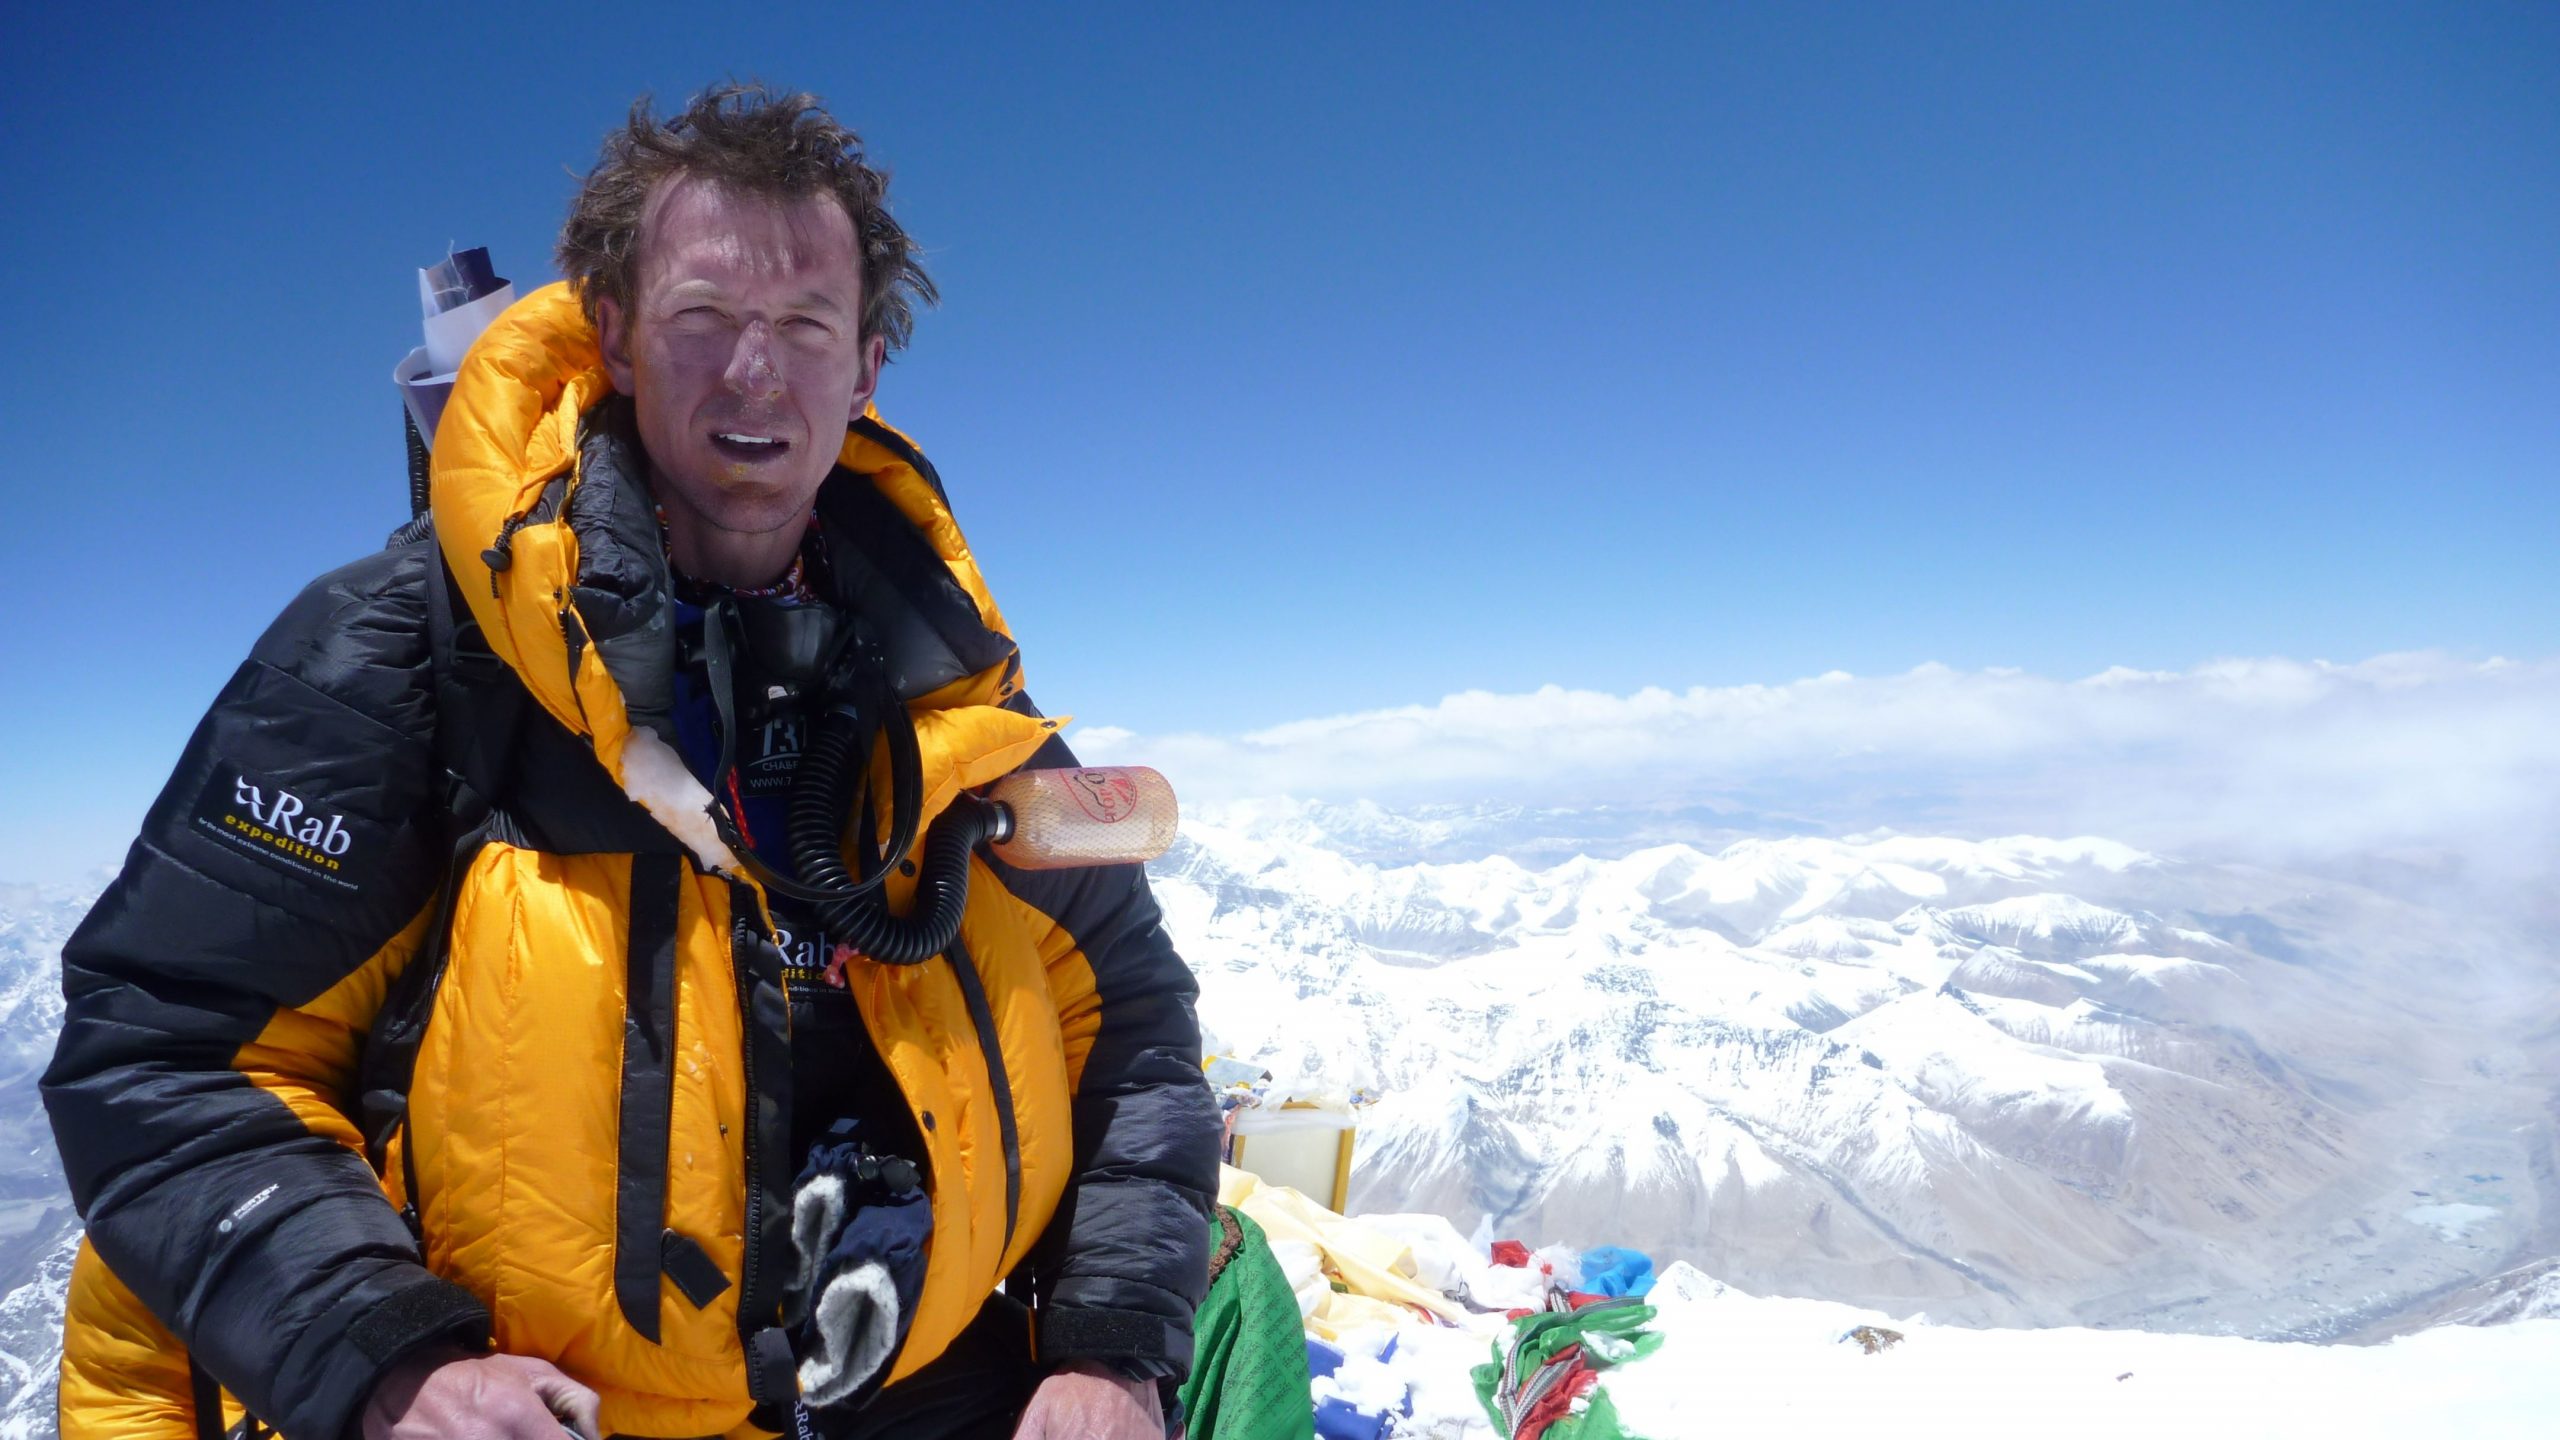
x: 613, y: 337
x: 875, y: 353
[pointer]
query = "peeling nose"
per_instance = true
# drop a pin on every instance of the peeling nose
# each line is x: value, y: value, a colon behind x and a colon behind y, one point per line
x: 751, y: 369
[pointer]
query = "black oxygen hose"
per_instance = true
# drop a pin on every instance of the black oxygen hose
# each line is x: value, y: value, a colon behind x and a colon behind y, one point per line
x: 856, y: 911
x: 830, y: 787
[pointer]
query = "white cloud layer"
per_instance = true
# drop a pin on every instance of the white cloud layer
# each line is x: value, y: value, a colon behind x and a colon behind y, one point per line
x: 2275, y: 759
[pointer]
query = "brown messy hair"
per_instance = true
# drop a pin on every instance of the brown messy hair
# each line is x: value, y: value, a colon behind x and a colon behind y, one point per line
x: 754, y: 141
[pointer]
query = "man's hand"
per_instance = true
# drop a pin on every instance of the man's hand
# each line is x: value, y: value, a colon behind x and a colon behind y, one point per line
x: 448, y: 1395
x: 1085, y: 1401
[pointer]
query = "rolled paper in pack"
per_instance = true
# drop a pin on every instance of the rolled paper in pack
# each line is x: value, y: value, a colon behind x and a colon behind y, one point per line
x: 457, y: 297
x: 1111, y: 815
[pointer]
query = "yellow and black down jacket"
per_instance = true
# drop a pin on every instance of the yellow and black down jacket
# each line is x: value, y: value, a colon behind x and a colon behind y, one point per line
x: 539, y: 940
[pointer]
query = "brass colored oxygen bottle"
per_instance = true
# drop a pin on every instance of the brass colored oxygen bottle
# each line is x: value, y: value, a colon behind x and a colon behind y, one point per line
x: 1060, y: 819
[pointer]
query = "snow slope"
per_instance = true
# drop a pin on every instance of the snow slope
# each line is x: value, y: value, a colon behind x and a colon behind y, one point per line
x: 1732, y: 1363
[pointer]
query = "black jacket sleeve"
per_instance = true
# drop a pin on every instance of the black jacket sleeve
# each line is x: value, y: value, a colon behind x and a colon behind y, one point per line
x: 1126, y: 1261
x: 196, y: 1089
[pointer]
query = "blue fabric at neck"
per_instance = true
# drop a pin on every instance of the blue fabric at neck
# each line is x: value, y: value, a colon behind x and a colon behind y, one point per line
x: 762, y: 816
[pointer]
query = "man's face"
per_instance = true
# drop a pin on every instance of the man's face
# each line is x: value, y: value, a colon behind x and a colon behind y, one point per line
x: 742, y: 352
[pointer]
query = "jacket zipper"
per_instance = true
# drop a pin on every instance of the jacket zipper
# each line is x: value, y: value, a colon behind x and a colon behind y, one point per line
x: 573, y: 634
x: 501, y: 553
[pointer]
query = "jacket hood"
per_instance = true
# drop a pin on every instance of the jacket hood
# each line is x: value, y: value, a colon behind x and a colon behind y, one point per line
x: 542, y: 510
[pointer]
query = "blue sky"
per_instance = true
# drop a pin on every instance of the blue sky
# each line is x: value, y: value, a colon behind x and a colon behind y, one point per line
x: 1297, y: 361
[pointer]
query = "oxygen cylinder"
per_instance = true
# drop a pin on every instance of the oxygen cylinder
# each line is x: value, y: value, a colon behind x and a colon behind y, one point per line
x: 1059, y: 819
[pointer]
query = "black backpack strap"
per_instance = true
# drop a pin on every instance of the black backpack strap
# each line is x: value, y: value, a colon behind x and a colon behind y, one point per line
x: 206, y: 1397
x: 417, y: 464
x: 480, y: 711
x: 480, y: 704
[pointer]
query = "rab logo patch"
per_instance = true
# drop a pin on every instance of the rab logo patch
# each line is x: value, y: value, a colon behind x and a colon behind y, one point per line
x: 813, y: 964
x: 278, y: 826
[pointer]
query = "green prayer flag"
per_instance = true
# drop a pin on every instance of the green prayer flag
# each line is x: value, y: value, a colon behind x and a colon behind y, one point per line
x: 1249, y: 1361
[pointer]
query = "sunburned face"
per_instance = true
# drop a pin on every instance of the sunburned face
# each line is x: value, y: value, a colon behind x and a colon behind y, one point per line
x: 743, y: 356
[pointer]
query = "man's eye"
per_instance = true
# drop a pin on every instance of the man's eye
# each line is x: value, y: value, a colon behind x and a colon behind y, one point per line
x: 808, y: 328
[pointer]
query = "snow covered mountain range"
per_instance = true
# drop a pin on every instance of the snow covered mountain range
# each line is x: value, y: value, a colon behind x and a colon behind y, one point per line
x: 38, y: 1231
x: 2003, y: 1082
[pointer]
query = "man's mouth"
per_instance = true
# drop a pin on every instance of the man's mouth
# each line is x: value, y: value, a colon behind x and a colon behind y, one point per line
x: 749, y: 446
